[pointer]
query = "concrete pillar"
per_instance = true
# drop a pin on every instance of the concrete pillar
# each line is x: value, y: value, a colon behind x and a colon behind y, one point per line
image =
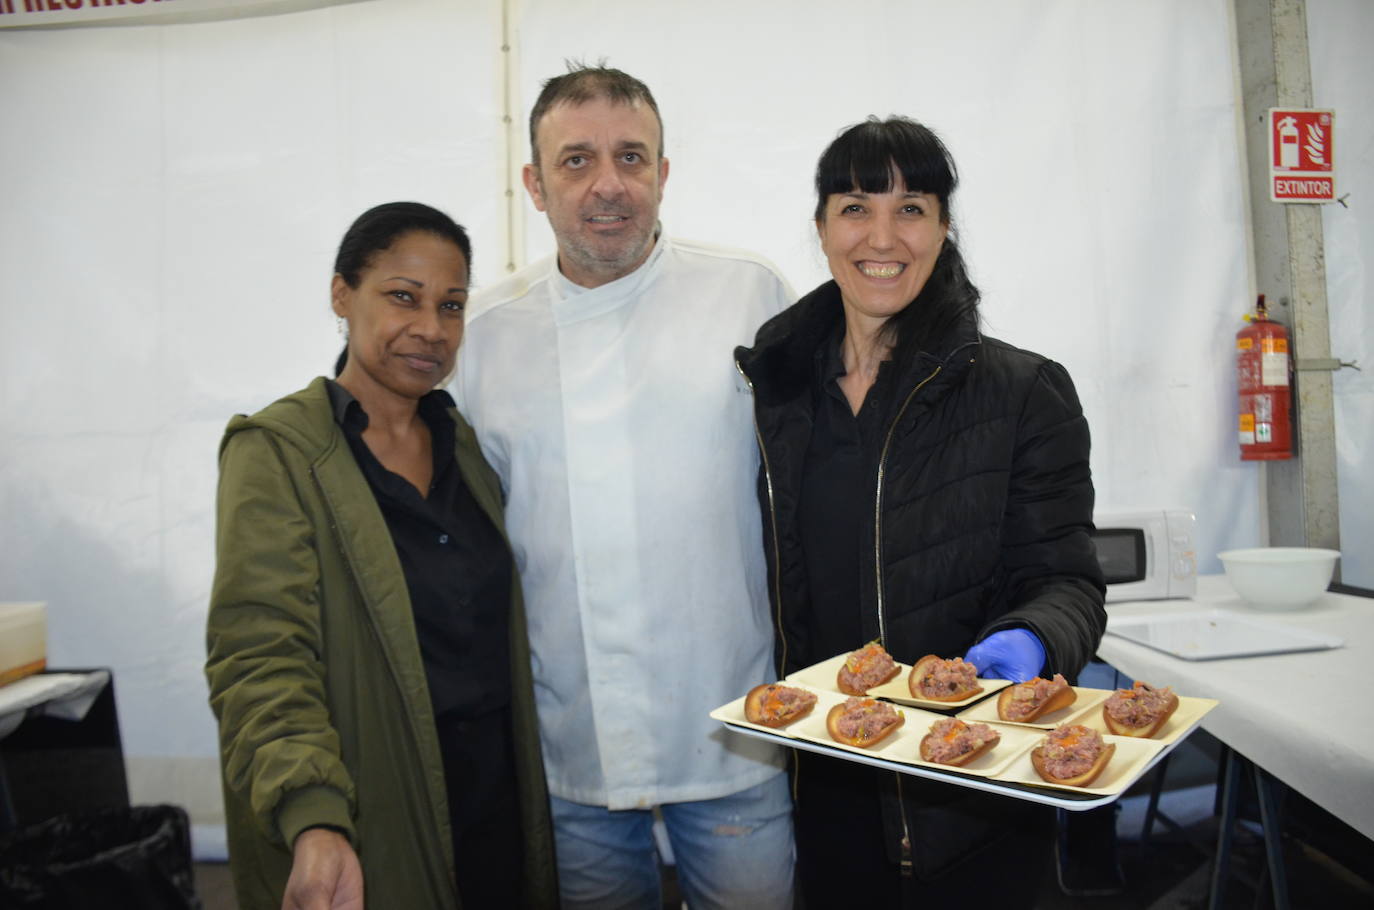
x: 1290, y: 270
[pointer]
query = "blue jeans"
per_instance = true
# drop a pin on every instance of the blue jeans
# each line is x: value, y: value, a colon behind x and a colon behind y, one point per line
x: 731, y: 852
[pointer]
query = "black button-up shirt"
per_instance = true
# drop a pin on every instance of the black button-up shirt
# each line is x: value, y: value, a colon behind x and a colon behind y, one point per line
x: 836, y: 502
x: 457, y: 566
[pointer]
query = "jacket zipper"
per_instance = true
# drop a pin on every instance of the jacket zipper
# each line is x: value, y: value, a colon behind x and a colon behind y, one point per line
x: 772, y: 521
x: 906, y: 863
x: 777, y: 561
x: 878, y: 570
x: 878, y: 503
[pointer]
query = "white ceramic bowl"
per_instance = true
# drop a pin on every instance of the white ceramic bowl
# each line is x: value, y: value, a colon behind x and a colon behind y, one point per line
x: 1279, y: 578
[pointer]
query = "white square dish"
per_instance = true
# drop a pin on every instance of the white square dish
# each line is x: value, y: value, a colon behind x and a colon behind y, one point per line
x: 1014, y: 741
x: 1184, y: 718
x: 985, y: 712
x: 1122, y: 770
x: 898, y: 690
x: 1217, y: 634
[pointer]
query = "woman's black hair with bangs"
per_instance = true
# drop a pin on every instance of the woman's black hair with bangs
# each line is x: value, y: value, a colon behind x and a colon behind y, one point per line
x: 865, y: 158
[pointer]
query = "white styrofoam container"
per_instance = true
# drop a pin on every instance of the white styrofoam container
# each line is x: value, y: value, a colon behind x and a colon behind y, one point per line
x: 23, y: 640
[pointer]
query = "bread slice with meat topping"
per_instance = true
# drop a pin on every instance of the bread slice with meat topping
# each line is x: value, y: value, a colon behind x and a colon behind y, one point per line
x: 776, y: 705
x: 955, y: 671
x: 974, y: 739
x: 862, y: 722
x: 1142, y: 702
x: 1070, y: 738
x: 865, y: 668
x: 1058, y: 694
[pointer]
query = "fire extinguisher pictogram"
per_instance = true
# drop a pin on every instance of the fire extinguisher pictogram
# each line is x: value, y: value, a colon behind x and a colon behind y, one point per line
x: 1263, y: 375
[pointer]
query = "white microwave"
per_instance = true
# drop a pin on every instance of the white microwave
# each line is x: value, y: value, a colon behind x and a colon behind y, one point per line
x: 1147, y: 555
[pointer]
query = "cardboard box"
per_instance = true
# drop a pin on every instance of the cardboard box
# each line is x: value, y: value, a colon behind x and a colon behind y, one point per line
x: 23, y: 640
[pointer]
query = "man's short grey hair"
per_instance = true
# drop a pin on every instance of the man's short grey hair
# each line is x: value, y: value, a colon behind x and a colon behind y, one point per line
x: 582, y: 83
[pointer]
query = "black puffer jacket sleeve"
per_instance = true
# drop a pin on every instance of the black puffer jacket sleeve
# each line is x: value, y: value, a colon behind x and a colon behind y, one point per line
x: 1051, y: 575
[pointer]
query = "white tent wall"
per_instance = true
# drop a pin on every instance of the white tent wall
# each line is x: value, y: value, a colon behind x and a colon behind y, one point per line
x: 1101, y: 209
x: 173, y: 196
x: 1339, y: 32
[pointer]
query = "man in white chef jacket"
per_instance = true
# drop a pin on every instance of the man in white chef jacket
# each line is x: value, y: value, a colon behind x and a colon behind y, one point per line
x: 602, y: 387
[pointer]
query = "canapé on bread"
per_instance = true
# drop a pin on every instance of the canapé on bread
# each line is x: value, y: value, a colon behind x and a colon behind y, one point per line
x: 1141, y: 710
x: 865, y: 668
x: 1028, y: 701
x: 776, y: 705
x: 1072, y: 746
x: 937, y: 679
x: 951, y: 741
x: 862, y: 722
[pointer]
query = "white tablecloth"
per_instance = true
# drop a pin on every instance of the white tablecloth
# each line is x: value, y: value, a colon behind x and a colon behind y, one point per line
x: 1307, y: 718
x: 65, y: 695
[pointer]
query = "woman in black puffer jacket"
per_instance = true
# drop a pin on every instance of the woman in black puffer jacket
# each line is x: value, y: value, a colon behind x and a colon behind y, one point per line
x: 922, y: 485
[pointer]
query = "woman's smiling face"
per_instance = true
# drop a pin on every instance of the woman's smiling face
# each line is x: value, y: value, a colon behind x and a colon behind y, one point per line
x: 881, y: 247
x: 405, y: 317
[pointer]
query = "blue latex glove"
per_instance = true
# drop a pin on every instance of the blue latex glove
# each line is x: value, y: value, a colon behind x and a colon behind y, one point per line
x: 1014, y: 654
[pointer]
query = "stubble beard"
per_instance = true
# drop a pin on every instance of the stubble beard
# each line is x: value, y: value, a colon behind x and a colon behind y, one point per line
x: 607, y: 261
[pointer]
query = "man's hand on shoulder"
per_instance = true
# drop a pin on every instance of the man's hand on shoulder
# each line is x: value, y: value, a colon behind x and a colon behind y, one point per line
x: 325, y: 873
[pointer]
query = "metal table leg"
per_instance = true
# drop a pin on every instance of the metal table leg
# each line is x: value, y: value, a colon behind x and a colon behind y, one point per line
x: 1270, y: 792
x: 1230, y: 795
x: 8, y: 820
x: 1152, y: 807
x: 1086, y: 850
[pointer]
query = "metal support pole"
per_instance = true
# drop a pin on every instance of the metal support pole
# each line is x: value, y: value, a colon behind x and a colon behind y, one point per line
x: 8, y: 820
x: 511, y: 124
x: 1290, y: 270
x: 1230, y: 796
x: 1269, y: 790
x: 1152, y: 806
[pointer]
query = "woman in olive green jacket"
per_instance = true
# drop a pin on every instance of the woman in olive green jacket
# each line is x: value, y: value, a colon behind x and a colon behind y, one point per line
x: 334, y: 769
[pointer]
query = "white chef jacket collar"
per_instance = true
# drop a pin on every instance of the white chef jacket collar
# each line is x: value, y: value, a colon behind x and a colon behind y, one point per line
x: 572, y: 302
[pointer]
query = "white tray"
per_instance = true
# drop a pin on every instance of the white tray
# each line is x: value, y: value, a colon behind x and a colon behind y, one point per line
x: 1216, y: 634
x: 900, y: 753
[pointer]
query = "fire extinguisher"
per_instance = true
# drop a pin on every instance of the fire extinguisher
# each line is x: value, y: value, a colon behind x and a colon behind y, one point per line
x: 1266, y: 394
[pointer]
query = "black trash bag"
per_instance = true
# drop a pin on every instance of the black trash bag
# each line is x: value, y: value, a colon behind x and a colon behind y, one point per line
x: 112, y: 859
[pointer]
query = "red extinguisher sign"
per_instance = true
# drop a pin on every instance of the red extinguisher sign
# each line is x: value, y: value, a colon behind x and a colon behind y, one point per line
x: 1266, y: 394
x: 1302, y: 154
